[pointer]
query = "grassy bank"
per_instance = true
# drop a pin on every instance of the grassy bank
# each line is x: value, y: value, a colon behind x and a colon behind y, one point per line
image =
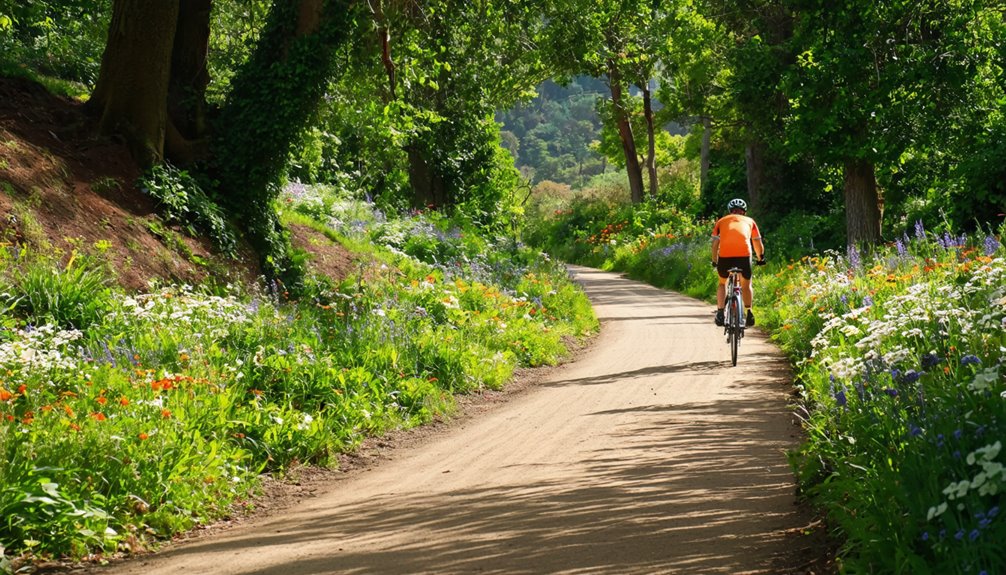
x: 127, y: 417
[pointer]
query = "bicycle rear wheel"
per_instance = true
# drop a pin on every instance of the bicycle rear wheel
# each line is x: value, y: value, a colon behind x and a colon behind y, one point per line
x: 734, y: 328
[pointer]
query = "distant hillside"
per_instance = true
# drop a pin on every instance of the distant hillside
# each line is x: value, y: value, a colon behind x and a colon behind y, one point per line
x: 550, y: 136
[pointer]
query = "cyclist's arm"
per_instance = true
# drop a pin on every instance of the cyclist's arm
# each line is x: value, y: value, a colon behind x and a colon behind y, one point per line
x: 759, y: 247
x: 716, y: 248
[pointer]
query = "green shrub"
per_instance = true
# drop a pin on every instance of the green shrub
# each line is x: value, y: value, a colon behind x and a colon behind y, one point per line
x: 182, y: 201
x: 75, y: 295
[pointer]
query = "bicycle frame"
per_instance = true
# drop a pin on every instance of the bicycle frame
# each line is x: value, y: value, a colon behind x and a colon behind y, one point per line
x: 734, y: 317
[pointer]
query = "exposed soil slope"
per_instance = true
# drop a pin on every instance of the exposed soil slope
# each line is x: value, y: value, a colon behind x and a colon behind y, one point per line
x: 62, y: 188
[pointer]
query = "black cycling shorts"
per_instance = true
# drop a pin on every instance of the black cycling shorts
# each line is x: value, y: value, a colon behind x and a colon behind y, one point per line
x: 723, y: 266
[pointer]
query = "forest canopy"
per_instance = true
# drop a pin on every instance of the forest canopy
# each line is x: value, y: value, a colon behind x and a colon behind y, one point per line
x: 849, y: 123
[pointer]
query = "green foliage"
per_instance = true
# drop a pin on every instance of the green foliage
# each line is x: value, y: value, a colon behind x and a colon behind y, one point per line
x: 75, y: 295
x: 269, y: 105
x: 653, y: 241
x: 58, y: 38
x: 554, y: 132
x: 905, y: 408
x: 159, y: 413
x: 235, y: 27
x: 181, y: 200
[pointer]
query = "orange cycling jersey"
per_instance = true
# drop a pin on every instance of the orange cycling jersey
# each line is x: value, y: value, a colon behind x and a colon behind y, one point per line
x: 735, y: 233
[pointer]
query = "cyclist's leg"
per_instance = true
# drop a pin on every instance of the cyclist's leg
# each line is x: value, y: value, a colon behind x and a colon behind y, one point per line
x: 747, y: 291
x: 721, y: 290
x: 722, y: 271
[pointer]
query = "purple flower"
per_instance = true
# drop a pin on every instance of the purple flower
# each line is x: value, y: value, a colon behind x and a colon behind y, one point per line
x: 925, y: 536
x: 971, y: 359
x: 991, y: 245
x: 914, y: 430
x: 900, y: 246
x: 930, y: 359
x: 947, y: 241
x: 867, y: 301
x: 891, y: 391
x: 854, y: 259
x: 974, y: 534
x: 920, y: 232
x: 911, y: 376
x: 840, y: 398
x: 993, y: 511
x: 959, y: 535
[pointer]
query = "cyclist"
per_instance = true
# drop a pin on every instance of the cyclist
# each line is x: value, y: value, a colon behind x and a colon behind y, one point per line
x: 734, y: 237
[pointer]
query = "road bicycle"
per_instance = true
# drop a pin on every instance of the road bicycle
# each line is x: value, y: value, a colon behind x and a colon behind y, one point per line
x: 733, y: 314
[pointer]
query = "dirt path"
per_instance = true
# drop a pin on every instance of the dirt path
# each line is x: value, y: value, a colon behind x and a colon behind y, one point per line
x: 648, y: 455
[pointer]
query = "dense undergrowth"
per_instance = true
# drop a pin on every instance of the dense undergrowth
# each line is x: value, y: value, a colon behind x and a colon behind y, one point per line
x: 126, y: 417
x: 899, y: 362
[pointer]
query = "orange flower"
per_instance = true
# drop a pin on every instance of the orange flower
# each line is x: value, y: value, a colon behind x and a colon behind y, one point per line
x: 22, y: 389
x: 5, y: 395
x: 143, y: 436
x: 165, y: 414
x: 102, y: 400
x: 99, y: 416
x: 74, y: 427
x: 123, y: 401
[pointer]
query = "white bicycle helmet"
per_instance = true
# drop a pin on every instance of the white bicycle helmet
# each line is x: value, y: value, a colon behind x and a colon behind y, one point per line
x: 737, y: 203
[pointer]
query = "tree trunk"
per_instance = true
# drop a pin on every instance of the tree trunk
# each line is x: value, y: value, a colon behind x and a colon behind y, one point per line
x: 707, y: 131
x: 863, y: 203
x: 187, y: 129
x: 131, y: 93
x: 651, y: 145
x: 427, y: 187
x: 273, y: 97
x: 384, y: 39
x: 625, y: 135
x: 754, y: 156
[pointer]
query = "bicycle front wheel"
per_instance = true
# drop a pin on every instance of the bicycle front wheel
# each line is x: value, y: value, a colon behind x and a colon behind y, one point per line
x: 735, y: 328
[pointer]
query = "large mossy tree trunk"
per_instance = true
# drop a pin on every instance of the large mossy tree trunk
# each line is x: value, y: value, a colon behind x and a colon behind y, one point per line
x: 130, y: 96
x: 187, y: 125
x: 273, y: 97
